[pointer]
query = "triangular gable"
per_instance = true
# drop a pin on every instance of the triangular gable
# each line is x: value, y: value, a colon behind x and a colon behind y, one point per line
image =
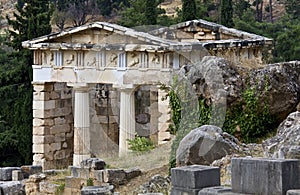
x: 203, y: 31
x: 100, y: 33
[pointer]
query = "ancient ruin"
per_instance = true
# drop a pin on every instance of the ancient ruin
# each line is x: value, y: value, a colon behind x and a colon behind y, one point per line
x: 98, y: 85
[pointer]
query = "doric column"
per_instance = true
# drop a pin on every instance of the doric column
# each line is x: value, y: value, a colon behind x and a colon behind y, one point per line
x: 127, y: 119
x: 81, y: 124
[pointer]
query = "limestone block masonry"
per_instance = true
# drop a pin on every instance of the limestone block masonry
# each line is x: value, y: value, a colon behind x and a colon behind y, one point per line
x: 264, y: 176
x: 52, y: 125
x: 191, y: 179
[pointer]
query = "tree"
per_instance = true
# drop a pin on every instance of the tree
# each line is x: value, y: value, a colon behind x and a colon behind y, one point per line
x: 293, y: 8
x: 226, y: 13
x: 141, y: 12
x: 32, y: 20
x: 189, y: 11
x: 105, y: 7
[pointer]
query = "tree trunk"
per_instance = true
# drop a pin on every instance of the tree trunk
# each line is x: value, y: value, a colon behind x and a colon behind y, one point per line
x: 271, y: 11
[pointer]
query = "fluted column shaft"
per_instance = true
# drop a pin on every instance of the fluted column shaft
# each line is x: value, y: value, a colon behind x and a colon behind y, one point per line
x: 127, y: 119
x: 81, y: 125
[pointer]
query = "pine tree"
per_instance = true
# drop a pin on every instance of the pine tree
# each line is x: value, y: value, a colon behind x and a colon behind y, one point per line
x: 141, y: 12
x: 188, y: 10
x: 226, y: 13
x: 32, y: 20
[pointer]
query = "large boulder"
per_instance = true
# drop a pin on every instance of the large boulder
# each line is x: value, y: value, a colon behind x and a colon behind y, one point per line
x: 285, y: 144
x: 204, y: 145
x: 279, y: 85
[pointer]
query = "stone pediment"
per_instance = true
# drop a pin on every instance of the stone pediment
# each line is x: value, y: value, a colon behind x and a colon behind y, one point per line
x: 100, y: 35
x: 204, y: 31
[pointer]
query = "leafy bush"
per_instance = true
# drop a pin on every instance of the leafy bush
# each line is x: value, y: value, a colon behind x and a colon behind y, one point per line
x: 140, y: 144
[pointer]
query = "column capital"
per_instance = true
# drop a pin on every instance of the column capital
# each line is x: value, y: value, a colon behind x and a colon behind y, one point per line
x: 81, y: 86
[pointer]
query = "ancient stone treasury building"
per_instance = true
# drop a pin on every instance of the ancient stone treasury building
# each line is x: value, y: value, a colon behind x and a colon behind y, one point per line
x: 97, y: 86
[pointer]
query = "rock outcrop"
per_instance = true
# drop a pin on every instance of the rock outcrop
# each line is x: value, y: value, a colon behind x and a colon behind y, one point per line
x: 204, y: 145
x: 279, y: 85
x: 285, y: 144
x: 220, y: 82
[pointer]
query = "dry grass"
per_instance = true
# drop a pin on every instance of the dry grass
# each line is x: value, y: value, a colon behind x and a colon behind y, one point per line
x: 145, y: 161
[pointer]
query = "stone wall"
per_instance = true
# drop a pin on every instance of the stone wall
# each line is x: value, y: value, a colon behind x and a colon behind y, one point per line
x: 52, y: 125
x: 105, y: 109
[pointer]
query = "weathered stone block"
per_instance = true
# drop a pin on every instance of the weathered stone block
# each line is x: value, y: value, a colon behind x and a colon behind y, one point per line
x: 41, y: 130
x: 60, y: 129
x: 60, y: 121
x: 115, y: 176
x: 55, y: 146
x: 11, y: 188
x: 17, y: 175
x: 184, y: 191
x: 43, y: 105
x: 293, y: 192
x: 215, y: 190
x: 60, y: 137
x: 195, y: 176
x: 43, y: 87
x: 61, y: 154
x: 66, y: 94
x: 93, y: 163
x: 42, y: 122
x: 98, y: 175
x: 264, y: 176
x: 40, y: 148
x: 6, y: 173
x: 132, y: 173
x: 48, y: 188
x: 41, y: 95
x: 73, y: 182
x: 37, y: 113
x: 59, y: 86
x: 80, y: 172
x: 28, y: 170
x: 42, y: 139
x: 99, y: 190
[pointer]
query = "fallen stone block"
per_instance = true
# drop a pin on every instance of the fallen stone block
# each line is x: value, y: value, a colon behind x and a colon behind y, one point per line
x: 99, y: 190
x: 6, y: 173
x: 215, y: 190
x: 73, y: 182
x: 17, y: 175
x: 31, y: 169
x: 48, y: 188
x: 223, y: 190
x: 264, y: 176
x: 152, y: 194
x: 293, y: 192
x: 12, y: 188
x: 98, y: 175
x: 93, y: 163
x: 184, y: 191
x: 132, y: 173
x: 195, y: 177
x: 115, y: 176
x: 80, y: 172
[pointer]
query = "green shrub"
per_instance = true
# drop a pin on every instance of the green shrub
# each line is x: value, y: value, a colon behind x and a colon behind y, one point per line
x: 90, y: 182
x: 140, y: 144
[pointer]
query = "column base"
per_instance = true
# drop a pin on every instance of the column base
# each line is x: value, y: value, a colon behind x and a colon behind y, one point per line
x: 77, y: 158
